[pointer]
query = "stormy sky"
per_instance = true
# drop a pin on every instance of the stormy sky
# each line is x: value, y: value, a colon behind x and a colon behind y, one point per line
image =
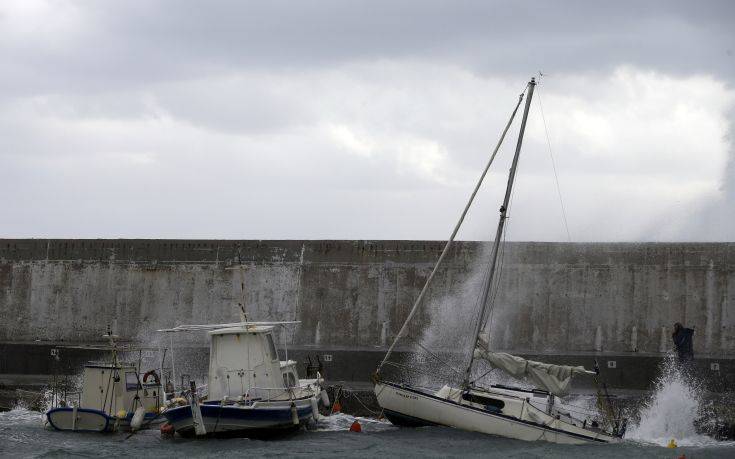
x: 365, y: 119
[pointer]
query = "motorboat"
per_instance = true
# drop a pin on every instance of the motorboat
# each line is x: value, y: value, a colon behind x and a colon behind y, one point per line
x: 250, y: 391
x: 115, y: 395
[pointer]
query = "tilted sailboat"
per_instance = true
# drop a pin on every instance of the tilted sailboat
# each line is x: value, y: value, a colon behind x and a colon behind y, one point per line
x: 499, y: 410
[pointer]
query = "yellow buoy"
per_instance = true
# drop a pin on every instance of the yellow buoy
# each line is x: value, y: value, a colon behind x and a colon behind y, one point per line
x: 672, y: 444
x: 122, y: 414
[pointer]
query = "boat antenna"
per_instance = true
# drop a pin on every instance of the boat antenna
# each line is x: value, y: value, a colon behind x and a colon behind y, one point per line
x: 499, y: 233
x: 241, y: 304
x: 444, y: 253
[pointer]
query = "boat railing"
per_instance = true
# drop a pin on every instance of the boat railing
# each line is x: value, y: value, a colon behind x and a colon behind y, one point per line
x: 589, y: 418
x: 66, y: 399
x: 278, y: 393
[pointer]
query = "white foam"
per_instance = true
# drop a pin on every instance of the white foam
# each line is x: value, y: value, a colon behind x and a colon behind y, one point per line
x: 671, y: 411
x: 342, y: 422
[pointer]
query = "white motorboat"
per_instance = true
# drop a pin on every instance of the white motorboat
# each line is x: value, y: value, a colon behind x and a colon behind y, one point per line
x: 511, y: 412
x: 115, y: 396
x: 251, y: 392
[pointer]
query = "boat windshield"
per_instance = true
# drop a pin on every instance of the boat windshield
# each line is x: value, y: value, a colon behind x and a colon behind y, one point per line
x: 272, y: 347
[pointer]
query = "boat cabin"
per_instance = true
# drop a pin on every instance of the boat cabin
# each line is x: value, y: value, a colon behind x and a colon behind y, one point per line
x: 112, y: 388
x: 244, y: 364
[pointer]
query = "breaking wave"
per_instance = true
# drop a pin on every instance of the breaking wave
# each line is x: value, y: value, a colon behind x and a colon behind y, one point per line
x: 672, y: 410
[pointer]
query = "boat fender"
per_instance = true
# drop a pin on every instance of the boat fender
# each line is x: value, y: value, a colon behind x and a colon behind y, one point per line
x: 122, y: 414
x: 138, y: 417
x: 325, y: 398
x: 294, y: 414
x: 153, y: 373
x: 314, y: 408
x: 355, y: 427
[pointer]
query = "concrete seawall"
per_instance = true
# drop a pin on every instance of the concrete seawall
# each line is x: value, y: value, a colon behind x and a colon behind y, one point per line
x: 554, y: 297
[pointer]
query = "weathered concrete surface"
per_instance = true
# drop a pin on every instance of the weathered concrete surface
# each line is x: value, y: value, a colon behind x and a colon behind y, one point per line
x: 554, y: 297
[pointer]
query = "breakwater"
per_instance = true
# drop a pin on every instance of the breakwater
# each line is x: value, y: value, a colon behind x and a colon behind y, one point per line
x: 555, y: 298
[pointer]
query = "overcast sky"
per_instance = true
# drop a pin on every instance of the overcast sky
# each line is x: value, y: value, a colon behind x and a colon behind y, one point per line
x: 365, y: 120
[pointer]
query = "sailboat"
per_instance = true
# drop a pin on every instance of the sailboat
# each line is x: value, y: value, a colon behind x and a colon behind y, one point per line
x: 513, y: 412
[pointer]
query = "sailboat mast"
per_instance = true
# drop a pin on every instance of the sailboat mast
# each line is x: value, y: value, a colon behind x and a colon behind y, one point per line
x: 499, y: 233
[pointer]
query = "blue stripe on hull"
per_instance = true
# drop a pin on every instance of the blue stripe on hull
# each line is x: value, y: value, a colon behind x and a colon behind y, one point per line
x: 235, y: 419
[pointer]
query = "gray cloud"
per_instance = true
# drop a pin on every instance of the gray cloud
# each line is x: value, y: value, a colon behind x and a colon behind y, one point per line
x: 359, y: 119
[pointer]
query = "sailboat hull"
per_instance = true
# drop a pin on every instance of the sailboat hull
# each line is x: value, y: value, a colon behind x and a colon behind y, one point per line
x: 406, y: 406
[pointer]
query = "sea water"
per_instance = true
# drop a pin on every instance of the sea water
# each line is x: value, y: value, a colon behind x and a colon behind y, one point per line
x: 22, y: 435
x: 669, y: 413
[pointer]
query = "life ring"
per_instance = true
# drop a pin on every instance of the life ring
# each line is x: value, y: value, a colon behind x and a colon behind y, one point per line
x: 153, y: 373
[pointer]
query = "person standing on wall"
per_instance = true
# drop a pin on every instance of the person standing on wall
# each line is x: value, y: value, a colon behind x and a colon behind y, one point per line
x: 683, y: 341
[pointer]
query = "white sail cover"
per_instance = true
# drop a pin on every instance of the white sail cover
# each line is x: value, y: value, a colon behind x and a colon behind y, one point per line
x: 554, y: 378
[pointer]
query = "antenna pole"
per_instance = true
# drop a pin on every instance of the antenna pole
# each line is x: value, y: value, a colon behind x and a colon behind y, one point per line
x: 499, y: 233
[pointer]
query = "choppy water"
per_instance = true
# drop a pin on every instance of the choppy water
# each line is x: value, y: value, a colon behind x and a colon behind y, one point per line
x: 22, y: 435
x: 668, y: 413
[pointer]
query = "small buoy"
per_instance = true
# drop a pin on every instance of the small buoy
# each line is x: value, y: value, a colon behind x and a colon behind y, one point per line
x: 672, y: 444
x: 294, y: 414
x: 325, y: 398
x: 337, y: 407
x: 167, y: 429
x: 355, y: 427
x: 122, y: 414
x: 314, y: 409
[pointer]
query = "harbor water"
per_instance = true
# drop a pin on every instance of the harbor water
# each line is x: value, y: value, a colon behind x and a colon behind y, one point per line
x: 23, y: 436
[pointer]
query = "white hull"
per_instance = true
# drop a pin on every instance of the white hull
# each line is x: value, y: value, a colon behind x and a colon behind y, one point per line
x: 518, y: 418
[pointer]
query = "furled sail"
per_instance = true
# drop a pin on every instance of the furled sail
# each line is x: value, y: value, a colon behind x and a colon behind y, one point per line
x: 554, y: 378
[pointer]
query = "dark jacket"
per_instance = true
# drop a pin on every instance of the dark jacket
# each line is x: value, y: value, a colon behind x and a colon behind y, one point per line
x: 683, y: 340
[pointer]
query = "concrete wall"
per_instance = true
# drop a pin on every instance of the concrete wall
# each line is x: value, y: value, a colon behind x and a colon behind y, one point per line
x: 554, y: 297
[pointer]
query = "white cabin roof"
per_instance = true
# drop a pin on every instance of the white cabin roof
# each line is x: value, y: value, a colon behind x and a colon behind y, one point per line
x: 234, y: 330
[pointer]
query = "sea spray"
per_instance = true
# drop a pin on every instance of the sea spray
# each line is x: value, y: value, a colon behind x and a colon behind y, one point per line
x: 440, y: 351
x: 672, y: 409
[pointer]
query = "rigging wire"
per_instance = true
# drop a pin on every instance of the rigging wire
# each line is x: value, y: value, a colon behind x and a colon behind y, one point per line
x: 447, y: 364
x: 419, y: 299
x: 553, y: 166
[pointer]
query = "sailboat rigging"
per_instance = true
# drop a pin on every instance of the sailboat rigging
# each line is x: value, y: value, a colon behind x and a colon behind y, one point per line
x: 500, y: 410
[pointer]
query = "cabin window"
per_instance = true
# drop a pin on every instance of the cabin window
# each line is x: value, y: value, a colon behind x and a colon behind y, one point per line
x: 131, y: 381
x: 487, y: 401
x: 289, y: 380
x: 271, y: 347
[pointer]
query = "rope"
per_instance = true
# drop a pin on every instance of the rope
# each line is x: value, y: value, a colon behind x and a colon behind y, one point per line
x: 379, y: 413
x: 553, y: 166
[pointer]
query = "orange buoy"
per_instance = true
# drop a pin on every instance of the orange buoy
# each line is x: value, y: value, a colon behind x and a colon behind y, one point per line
x: 337, y: 407
x: 355, y: 427
x: 167, y: 429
